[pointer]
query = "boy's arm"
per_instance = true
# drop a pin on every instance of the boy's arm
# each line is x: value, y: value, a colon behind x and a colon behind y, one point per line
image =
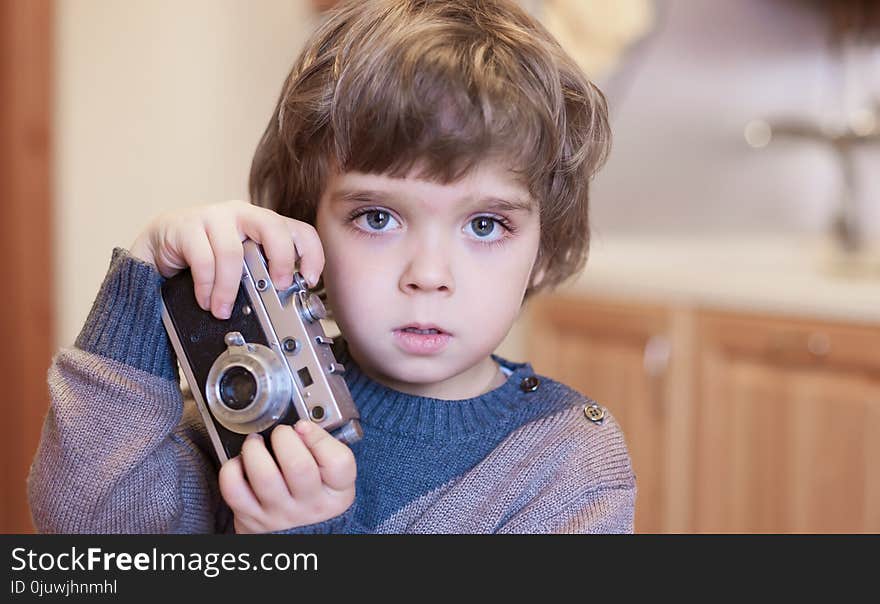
x: 604, y: 510
x: 118, y: 454
x: 583, y: 480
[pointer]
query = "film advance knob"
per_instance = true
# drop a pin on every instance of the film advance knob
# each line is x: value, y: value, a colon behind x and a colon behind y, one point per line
x: 299, y: 283
x: 313, y: 308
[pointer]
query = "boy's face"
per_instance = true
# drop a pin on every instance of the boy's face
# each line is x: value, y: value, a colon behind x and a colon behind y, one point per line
x: 402, y: 251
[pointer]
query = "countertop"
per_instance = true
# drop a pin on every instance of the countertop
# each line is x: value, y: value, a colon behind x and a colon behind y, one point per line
x: 786, y: 274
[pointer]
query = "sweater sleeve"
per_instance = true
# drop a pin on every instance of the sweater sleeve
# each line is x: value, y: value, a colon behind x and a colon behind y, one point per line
x: 581, y: 480
x: 344, y: 524
x: 120, y: 452
x: 603, y: 510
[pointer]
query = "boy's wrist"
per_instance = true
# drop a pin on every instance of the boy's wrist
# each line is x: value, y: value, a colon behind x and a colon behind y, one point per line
x: 142, y: 251
x: 125, y: 322
x: 337, y: 524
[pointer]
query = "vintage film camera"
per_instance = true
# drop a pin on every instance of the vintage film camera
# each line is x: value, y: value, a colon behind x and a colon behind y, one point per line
x: 269, y: 363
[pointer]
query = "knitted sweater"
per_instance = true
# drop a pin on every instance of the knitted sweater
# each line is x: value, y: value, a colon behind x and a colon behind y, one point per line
x: 122, y: 451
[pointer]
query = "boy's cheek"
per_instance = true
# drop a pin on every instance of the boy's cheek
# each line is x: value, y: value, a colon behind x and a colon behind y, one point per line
x: 353, y: 268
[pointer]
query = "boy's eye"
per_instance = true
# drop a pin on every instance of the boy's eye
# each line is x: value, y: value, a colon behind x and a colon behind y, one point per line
x: 483, y: 225
x: 375, y: 220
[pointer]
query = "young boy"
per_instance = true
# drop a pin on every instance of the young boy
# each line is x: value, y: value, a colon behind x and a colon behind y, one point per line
x: 438, y: 155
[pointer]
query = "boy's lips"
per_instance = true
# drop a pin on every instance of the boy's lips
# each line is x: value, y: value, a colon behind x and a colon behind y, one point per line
x: 413, y: 342
x: 423, y: 327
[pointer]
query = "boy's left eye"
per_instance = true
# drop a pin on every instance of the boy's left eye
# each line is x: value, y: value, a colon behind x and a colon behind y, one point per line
x: 483, y: 226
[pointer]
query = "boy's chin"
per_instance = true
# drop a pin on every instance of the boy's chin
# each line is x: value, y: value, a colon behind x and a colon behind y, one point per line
x: 415, y: 369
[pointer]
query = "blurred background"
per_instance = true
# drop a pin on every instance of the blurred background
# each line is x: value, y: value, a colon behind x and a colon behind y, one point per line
x: 729, y: 314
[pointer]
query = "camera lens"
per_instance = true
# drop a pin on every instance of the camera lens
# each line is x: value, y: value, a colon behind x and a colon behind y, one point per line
x: 238, y: 387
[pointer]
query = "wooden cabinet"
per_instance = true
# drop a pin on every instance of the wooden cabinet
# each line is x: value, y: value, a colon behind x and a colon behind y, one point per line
x: 787, y: 426
x: 27, y: 270
x: 735, y: 422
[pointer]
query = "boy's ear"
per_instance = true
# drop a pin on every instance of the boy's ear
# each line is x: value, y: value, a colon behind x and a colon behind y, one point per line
x: 538, y: 278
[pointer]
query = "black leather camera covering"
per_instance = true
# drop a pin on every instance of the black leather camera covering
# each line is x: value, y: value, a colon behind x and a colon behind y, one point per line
x: 202, y: 338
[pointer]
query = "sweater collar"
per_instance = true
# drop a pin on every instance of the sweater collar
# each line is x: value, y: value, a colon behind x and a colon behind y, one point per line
x: 391, y: 410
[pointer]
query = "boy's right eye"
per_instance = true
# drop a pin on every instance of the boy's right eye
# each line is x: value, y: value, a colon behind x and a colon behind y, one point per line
x: 372, y: 219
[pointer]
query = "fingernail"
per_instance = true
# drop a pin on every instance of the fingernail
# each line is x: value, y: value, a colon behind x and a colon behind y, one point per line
x: 253, y: 436
x: 303, y: 426
x: 225, y: 311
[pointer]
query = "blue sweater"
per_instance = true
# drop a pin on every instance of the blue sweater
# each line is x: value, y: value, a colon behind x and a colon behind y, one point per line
x: 123, y: 451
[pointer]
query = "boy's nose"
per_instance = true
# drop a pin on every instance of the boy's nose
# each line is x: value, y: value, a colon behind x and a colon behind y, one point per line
x: 428, y: 270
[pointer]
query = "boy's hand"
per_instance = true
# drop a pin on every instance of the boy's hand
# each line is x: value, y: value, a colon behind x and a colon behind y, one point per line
x: 312, y: 481
x: 208, y: 239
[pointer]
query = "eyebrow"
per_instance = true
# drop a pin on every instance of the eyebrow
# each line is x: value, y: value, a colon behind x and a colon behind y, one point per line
x: 490, y: 202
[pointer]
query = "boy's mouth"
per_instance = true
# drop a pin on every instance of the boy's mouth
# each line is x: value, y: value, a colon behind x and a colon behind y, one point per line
x: 421, y: 339
x: 422, y: 328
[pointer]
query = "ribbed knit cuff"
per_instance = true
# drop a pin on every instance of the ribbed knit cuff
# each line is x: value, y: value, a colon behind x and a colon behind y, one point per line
x: 337, y: 525
x: 125, y: 323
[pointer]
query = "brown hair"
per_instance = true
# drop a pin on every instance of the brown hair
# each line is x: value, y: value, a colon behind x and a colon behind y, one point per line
x: 384, y: 84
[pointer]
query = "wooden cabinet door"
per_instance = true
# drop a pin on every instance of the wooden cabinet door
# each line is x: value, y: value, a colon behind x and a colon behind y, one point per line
x: 614, y: 354
x: 788, y: 426
x: 26, y: 272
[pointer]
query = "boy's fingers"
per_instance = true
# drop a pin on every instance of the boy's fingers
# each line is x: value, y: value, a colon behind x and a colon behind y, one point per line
x: 199, y: 257
x: 297, y: 465
x: 335, y: 460
x: 267, y: 228
x: 262, y: 472
x: 228, y: 265
x: 235, y: 489
x: 309, y: 249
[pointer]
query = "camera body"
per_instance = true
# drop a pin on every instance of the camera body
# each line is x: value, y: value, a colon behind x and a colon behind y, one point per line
x: 270, y: 363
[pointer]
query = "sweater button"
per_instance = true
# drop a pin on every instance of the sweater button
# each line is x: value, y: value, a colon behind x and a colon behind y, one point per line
x: 529, y: 384
x: 594, y: 412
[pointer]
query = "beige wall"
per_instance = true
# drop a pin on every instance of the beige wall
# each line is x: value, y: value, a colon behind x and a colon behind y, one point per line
x: 160, y: 104
x: 680, y: 163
